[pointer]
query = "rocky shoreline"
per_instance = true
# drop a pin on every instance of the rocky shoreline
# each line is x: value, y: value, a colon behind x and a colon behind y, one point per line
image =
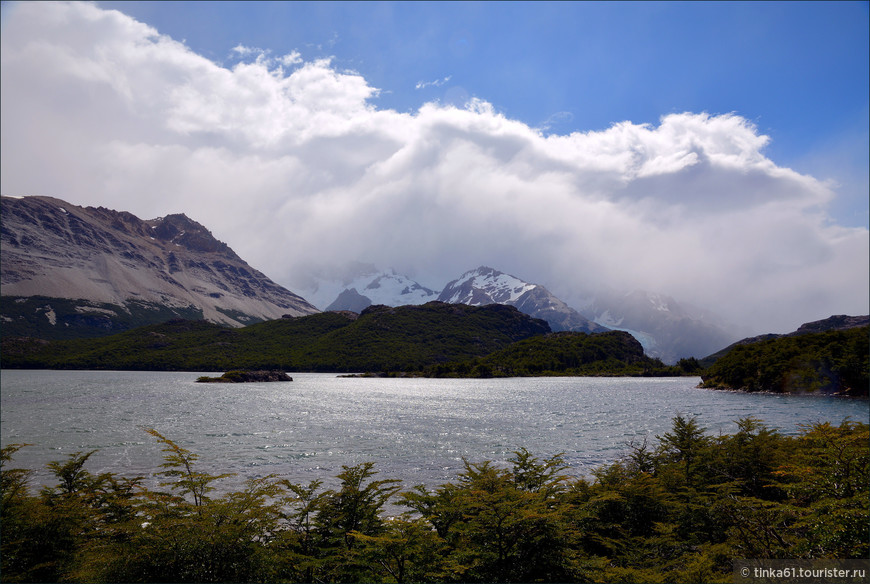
x: 247, y: 377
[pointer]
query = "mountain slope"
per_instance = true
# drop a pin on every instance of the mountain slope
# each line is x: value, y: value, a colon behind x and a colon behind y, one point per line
x: 106, y: 264
x: 668, y: 329
x: 485, y: 285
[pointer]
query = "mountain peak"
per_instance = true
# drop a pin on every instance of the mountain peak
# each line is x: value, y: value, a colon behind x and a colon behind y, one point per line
x: 181, y: 230
x: 388, y: 288
x: 485, y: 285
x: 113, y: 262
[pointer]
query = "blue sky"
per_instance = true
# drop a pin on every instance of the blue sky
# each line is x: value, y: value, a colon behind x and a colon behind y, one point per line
x: 798, y: 70
x: 714, y: 152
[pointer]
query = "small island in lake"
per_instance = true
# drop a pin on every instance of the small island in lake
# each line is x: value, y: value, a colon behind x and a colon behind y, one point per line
x: 246, y: 377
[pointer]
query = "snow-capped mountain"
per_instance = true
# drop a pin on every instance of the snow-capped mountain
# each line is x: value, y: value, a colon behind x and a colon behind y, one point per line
x: 388, y: 288
x: 485, y: 285
x: 667, y: 329
x: 107, y: 266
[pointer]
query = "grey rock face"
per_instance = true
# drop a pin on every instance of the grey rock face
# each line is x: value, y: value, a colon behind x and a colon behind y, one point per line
x: 55, y: 249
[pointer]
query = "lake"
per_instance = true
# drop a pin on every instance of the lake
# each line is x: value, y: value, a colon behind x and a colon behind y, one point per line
x: 416, y: 430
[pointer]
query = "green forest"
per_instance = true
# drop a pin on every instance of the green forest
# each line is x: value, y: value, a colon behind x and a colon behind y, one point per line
x: 613, y: 353
x: 435, y: 339
x: 677, y: 510
x: 834, y: 362
x: 381, y: 338
x: 452, y: 340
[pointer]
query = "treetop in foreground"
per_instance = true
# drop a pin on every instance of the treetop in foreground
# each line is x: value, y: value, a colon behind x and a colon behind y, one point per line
x: 680, y: 510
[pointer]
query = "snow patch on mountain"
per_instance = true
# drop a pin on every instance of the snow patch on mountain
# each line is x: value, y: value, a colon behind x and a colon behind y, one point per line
x: 485, y: 285
x: 369, y: 286
x: 609, y: 320
x: 667, y: 329
x: 497, y: 288
x: 394, y: 289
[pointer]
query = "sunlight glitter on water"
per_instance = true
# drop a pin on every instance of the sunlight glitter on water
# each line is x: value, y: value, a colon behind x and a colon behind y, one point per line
x: 417, y: 430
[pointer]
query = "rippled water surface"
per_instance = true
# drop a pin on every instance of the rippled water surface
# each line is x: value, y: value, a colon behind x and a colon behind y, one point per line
x: 417, y: 430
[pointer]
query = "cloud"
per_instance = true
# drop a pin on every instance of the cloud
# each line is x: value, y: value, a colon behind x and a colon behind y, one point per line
x: 244, y: 51
x: 292, y: 163
x: 435, y: 83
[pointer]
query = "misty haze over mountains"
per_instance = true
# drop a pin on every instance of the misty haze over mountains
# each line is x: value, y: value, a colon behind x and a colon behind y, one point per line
x: 667, y: 329
x: 110, y: 263
x: 296, y: 163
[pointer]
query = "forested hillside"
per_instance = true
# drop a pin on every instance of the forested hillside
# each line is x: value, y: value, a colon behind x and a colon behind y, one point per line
x: 405, y: 338
x: 566, y: 353
x: 680, y: 510
x: 834, y: 362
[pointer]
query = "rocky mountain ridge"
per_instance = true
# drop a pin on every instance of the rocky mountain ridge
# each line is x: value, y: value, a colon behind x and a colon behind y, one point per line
x: 107, y: 263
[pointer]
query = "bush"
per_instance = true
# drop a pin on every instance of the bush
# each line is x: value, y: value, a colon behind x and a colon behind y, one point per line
x: 678, y: 512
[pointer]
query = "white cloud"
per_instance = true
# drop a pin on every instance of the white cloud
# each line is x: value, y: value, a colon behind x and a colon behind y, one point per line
x: 244, y: 51
x: 290, y: 163
x: 292, y: 58
x: 435, y: 83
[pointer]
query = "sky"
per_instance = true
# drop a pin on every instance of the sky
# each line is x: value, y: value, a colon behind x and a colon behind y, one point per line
x: 715, y: 152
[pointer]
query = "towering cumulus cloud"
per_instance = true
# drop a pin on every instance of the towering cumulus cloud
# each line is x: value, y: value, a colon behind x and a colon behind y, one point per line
x: 293, y: 164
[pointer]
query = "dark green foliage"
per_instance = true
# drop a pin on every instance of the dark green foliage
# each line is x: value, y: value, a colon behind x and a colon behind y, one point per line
x: 678, y: 512
x: 238, y: 376
x: 386, y: 339
x: 690, y: 366
x: 408, y: 338
x: 347, y: 519
x: 564, y: 353
x: 835, y: 362
x: 436, y: 340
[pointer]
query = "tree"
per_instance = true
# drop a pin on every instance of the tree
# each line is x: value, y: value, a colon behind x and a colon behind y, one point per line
x: 354, y: 509
x: 179, y: 462
x: 407, y: 550
x: 683, y: 444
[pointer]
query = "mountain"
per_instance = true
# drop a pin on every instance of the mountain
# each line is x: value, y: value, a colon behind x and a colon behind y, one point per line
x: 387, y: 288
x: 839, y: 322
x: 485, y: 285
x: 381, y: 338
x: 351, y: 300
x: 85, y: 271
x: 667, y: 329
